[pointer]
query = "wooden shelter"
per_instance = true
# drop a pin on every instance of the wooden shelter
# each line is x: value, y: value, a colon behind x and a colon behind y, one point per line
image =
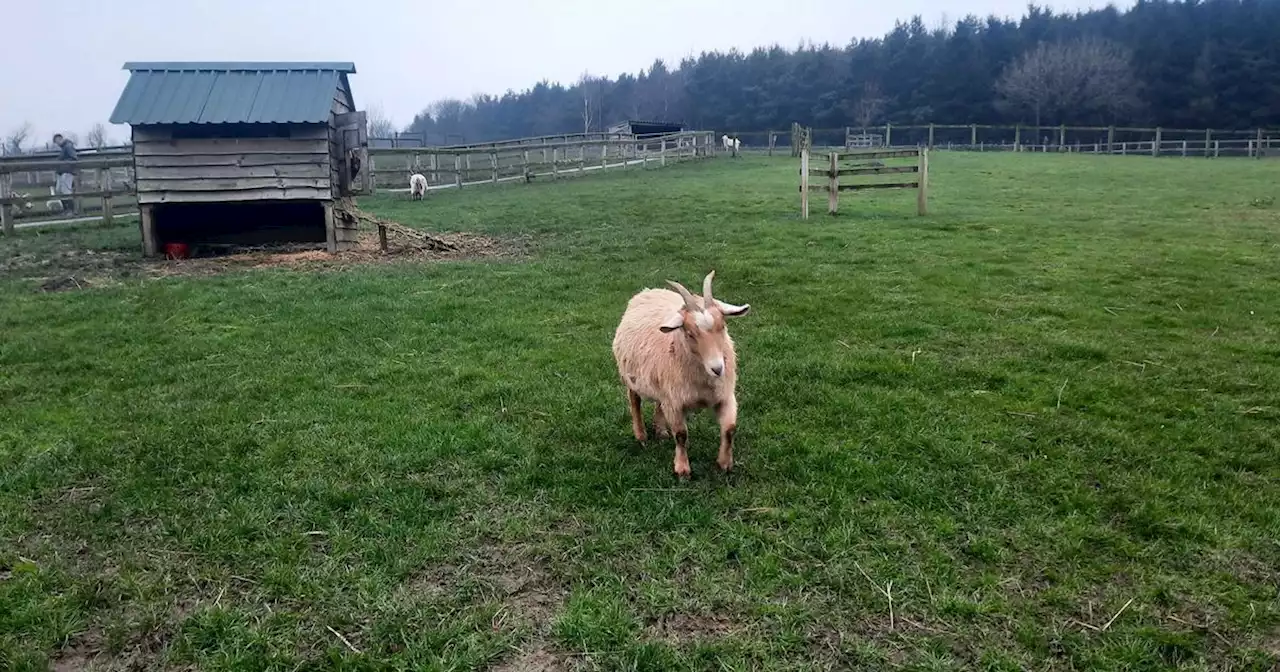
x: 646, y: 129
x: 243, y: 152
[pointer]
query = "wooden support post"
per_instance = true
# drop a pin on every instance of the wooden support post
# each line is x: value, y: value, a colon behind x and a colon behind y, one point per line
x: 833, y: 184
x: 604, y: 154
x: 147, y: 222
x: 973, y: 135
x: 330, y: 229
x: 104, y: 185
x: 804, y: 183
x: 1257, y: 145
x: 1062, y: 136
x: 1208, y: 141
x: 1217, y: 148
x: 773, y: 140
x: 664, y: 153
x: 382, y: 238
x: 493, y: 163
x: 888, y: 135
x: 1111, y: 139
x: 373, y: 175
x: 457, y: 170
x: 922, y: 191
x: 435, y: 173
x: 1155, y: 146
x: 930, y: 136
x: 1184, y: 148
x: 555, y: 163
x: 6, y: 210
x: 1017, y: 138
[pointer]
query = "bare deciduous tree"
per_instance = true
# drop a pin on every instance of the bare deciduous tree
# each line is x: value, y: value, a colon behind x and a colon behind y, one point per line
x: 590, y: 88
x: 97, y: 136
x: 380, y: 125
x: 14, y: 140
x: 1088, y: 76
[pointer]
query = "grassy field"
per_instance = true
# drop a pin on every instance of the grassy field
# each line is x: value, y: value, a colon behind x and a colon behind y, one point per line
x: 1036, y: 429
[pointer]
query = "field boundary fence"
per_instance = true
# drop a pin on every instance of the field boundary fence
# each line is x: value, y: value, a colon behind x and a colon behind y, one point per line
x: 1117, y: 140
x: 869, y: 168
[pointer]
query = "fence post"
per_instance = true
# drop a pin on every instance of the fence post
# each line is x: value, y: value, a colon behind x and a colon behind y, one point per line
x: 1257, y: 146
x: 1208, y: 139
x: 104, y: 185
x: 973, y: 135
x: 663, y: 155
x: 833, y: 184
x: 773, y: 139
x: 922, y: 188
x: 555, y: 163
x: 493, y: 162
x: 1217, y: 148
x: 1017, y: 138
x: 373, y: 175
x: 457, y: 170
x: 434, y: 163
x: 888, y: 135
x: 1155, y: 146
x: 1111, y: 139
x: 930, y: 136
x: 804, y: 183
x: 1184, y: 148
x: 6, y: 214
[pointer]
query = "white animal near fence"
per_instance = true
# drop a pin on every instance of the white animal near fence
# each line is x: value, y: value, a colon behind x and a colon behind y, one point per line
x: 672, y: 347
x: 53, y: 204
x: 417, y: 186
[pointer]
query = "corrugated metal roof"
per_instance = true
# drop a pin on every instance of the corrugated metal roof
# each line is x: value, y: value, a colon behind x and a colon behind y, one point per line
x: 226, y: 93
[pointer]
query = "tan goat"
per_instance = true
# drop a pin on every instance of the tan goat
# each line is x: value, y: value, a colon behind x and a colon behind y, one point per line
x: 673, y: 348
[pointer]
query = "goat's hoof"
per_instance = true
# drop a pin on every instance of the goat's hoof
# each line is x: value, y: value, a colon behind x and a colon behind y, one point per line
x: 683, y: 472
x: 642, y: 436
x: 725, y: 465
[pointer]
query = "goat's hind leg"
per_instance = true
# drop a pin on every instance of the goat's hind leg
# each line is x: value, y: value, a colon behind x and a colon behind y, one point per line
x: 637, y: 416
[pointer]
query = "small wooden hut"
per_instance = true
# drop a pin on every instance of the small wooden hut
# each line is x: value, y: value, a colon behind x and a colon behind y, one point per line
x: 243, y: 153
x: 646, y: 129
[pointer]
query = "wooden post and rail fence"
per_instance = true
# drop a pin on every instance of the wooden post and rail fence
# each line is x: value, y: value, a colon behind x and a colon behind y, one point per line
x: 107, y: 177
x: 865, y: 164
x: 1119, y: 140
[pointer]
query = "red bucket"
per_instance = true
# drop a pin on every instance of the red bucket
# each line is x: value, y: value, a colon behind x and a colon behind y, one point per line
x: 176, y: 250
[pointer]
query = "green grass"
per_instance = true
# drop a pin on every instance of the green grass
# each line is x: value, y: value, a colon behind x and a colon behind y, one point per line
x: 1043, y: 419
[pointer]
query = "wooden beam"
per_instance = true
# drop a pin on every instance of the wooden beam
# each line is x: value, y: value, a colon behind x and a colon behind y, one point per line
x: 878, y: 170
x: 330, y: 231
x: 6, y: 217
x: 804, y: 183
x: 881, y: 154
x: 147, y: 223
x: 922, y: 189
x: 833, y: 186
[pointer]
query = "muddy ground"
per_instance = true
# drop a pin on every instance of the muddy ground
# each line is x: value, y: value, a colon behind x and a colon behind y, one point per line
x: 78, y: 269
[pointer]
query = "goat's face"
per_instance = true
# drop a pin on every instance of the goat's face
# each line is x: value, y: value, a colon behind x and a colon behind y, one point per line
x: 701, y: 323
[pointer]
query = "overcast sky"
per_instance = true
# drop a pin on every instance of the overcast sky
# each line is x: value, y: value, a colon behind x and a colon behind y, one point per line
x: 60, y: 61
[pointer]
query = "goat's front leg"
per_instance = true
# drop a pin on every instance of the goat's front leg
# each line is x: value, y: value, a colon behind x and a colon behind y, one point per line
x: 727, y: 413
x: 660, y: 428
x: 675, y: 418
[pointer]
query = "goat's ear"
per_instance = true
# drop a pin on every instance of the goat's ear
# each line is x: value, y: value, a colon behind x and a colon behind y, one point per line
x: 730, y: 310
x: 674, y: 321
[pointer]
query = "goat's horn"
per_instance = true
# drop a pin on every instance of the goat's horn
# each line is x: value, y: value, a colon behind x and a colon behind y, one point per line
x: 688, y: 298
x: 706, y: 290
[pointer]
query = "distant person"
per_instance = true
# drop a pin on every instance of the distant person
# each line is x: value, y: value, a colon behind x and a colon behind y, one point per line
x: 65, y: 172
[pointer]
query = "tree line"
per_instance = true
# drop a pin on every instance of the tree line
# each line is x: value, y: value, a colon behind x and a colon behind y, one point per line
x: 1171, y: 63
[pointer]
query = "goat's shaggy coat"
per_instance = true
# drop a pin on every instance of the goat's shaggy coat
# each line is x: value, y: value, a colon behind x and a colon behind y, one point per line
x: 672, y: 347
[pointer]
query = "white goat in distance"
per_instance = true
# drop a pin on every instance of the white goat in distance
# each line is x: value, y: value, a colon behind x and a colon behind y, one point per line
x: 417, y: 186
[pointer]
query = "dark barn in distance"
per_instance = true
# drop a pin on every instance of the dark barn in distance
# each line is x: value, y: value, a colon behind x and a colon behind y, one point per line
x: 243, y: 153
x: 646, y: 129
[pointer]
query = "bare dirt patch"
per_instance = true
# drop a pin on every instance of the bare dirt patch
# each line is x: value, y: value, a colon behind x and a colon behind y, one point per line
x: 69, y: 270
x: 679, y: 629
